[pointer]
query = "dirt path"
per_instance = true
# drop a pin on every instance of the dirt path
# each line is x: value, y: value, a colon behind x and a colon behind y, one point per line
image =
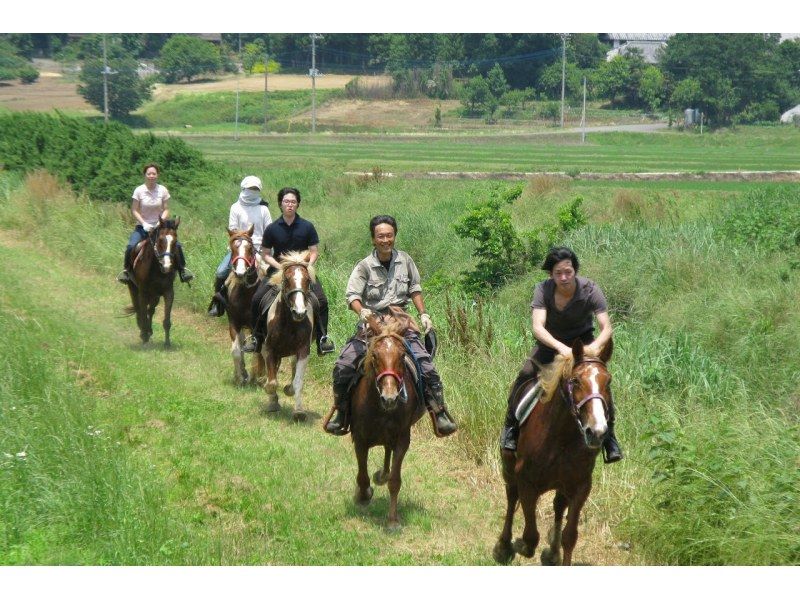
x: 467, y: 503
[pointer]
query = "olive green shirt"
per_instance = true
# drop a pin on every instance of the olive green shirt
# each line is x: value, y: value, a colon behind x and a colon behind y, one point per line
x: 378, y: 288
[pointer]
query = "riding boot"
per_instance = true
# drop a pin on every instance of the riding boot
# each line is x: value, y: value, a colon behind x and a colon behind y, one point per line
x: 442, y: 422
x: 611, y: 449
x: 339, y: 425
x: 220, y: 299
x: 252, y: 343
x: 510, y: 433
x: 185, y: 274
x: 125, y: 276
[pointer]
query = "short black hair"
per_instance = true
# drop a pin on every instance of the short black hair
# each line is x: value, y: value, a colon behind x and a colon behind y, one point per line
x: 287, y: 190
x: 376, y: 220
x: 558, y: 254
x: 149, y: 166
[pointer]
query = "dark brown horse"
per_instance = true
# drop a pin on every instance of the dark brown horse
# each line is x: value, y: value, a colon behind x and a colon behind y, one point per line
x: 384, y: 406
x: 557, y: 449
x: 242, y: 283
x: 290, y: 326
x: 154, y: 269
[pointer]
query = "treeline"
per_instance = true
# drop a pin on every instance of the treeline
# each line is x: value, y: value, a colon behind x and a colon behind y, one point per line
x: 32, y: 141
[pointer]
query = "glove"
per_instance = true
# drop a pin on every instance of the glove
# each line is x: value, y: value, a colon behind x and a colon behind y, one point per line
x: 147, y: 227
x: 365, y: 313
x: 427, y: 323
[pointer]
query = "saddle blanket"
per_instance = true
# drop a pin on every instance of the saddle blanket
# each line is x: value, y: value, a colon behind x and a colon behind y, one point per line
x: 528, y: 402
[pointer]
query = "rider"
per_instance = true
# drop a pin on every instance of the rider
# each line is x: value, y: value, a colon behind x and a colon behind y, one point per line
x: 562, y: 309
x: 288, y: 233
x: 150, y: 202
x: 387, y: 277
x: 248, y: 209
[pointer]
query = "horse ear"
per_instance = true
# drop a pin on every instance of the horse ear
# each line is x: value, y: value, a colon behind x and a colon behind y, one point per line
x: 577, y: 350
x: 608, y: 348
x: 250, y: 230
x: 230, y: 231
x: 373, y: 324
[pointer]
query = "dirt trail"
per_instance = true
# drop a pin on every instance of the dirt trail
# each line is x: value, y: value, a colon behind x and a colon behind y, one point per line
x: 463, y: 481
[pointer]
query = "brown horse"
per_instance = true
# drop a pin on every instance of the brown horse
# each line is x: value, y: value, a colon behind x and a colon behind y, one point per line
x: 153, y: 277
x: 290, y: 326
x: 242, y: 283
x: 385, y: 405
x: 557, y: 449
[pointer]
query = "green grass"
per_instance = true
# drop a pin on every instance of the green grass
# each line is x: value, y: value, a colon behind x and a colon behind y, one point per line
x: 745, y: 149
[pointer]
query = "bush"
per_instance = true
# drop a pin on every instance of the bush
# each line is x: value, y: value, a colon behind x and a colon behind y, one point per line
x: 766, y: 218
x: 28, y: 74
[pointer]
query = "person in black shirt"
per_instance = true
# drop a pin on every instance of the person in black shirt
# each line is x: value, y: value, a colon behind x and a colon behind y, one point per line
x: 290, y: 232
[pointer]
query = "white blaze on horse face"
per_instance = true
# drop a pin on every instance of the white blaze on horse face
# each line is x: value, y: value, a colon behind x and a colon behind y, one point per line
x: 167, y: 258
x: 241, y: 265
x: 298, y: 299
x: 597, y: 415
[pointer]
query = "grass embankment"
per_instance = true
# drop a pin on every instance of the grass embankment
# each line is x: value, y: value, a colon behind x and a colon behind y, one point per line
x: 705, y: 323
x: 745, y: 149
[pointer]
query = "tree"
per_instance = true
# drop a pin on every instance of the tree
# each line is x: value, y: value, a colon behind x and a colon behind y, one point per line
x: 475, y: 94
x: 252, y: 54
x: 550, y: 81
x: 651, y: 87
x: 687, y: 94
x: 126, y: 90
x: 185, y: 56
x: 13, y: 66
x: 496, y: 79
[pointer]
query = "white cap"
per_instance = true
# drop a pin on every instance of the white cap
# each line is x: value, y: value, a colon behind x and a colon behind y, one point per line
x: 251, y: 181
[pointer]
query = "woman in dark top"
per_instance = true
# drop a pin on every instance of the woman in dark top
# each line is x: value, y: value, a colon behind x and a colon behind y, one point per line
x: 562, y: 310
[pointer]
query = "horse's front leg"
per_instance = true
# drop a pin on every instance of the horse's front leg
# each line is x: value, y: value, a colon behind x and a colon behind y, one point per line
x: 298, y: 372
x: 363, y: 490
x: 503, y: 551
x: 381, y: 476
x: 239, y: 370
x: 528, y: 497
x: 395, y: 480
x: 145, y: 330
x: 570, y: 535
x: 273, y: 363
x: 169, y: 297
x: 552, y: 554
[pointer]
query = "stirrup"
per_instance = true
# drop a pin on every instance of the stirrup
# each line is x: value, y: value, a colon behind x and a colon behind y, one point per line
x: 186, y: 275
x: 250, y: 344
x: 446, y: 427
x: 124, y: 277
x: 325, y: 346
x: 336, y: 427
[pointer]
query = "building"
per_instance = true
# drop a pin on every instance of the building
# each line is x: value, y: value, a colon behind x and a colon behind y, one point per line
x: 649, y: 44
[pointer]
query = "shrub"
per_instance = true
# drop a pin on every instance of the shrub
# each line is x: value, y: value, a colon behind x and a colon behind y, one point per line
x: 766, y: 217
x: 28, y: 74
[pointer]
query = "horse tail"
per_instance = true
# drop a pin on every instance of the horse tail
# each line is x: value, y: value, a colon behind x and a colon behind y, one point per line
x: 128, y: 310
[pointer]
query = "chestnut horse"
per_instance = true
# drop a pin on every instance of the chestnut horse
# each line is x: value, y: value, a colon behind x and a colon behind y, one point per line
x: 242, y: 283
x: 557, y: 449
x: 290, y: 326
x: 153, y: 277
x: 384, y: 406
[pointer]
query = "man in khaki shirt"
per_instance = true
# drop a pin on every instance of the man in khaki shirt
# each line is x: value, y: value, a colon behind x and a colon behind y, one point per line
x: 387, y: 277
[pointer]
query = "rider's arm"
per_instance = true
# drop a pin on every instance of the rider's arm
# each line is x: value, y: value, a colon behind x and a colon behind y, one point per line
x: 356, y: 306
x: 313, y: 254
x: 266, y: 253
x: 416, y: 298
x: 135, y: 211
x: 165, y: 204
x: 538, y: 319
x: 604, y: 322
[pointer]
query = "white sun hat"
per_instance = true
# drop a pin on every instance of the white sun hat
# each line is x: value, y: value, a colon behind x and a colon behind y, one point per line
x: 251, y: 181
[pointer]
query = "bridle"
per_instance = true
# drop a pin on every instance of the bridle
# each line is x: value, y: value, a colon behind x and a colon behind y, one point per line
x: 249, y: 262
x: 287, y: 295
x: 153, y: 238
x: 388, y: 371
x: 567, y: 394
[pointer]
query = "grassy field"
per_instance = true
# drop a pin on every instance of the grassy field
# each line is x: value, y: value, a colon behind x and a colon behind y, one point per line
x: 745, y: 149
x: 705, y: 334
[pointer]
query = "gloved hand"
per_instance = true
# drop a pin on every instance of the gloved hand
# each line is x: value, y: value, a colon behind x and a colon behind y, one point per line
x: 147, y: 227
x: 365, y: 313
x: 427, y: 323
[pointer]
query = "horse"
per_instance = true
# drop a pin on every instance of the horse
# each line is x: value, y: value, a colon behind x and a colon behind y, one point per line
x: 556, y: 450
x: 384, y: 405
x: 153, y: 274
x: 242, y: 283
x: 290, y: 327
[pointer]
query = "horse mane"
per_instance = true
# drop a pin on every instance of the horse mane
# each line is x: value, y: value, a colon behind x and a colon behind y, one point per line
x: 394, y: 330
x: 551, y: 375
x: 293, y: 258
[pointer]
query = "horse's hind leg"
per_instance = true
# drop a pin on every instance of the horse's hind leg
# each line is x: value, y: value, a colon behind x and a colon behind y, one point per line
x: 381, y: 476
x: 169, y: 296
x: 570, y: 534
x: 395, y: 481
x: 503, y: 551
x: 526, y: 545
x: 552, y: 554
x: 298, y: 372
x: 239, y: 369
x: 363, y: 491
x: 273, y: 363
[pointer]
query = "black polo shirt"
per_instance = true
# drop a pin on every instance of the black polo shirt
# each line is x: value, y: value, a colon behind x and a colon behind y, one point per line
x: 283, y: 238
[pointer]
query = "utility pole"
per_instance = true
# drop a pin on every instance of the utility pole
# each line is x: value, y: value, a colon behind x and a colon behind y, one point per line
x: 583, y: 114
x: 266, y: 68
x: 105, y: 81
x: 564, y: 37
x: 313, y: 73
x: 236, y: 129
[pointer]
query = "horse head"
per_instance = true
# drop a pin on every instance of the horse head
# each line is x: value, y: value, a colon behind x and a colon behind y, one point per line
x: 243, y: 252
x: 385, y: 355
x: 296, y: 278
x: 588, y: 393
x: 164, y: 238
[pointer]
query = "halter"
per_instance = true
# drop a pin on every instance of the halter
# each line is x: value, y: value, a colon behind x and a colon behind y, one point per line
x: 569, y: 397
x: 152, y: 238
x: 287, y: 296
x: 249, y: 262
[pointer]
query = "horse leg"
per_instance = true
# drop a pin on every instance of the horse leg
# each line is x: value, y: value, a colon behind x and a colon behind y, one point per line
x: 257, y: 373
x: 288, y: 390
x: 298, y: 372
x: 381, y: 476
x: 503, y: 551
x: 151, y: 310
x: 552, y: 554
x: 570, y: 535
x: 239, y: 370
x: 363, y: 490
x: 273, y: 363
x: 141, y: 318
x: 169, y: 297
x: 395, y: 481
x: 526, y: 545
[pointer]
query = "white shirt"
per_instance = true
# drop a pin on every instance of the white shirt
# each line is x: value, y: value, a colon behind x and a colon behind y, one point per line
x: 151, y: 203
x: 242, y: 216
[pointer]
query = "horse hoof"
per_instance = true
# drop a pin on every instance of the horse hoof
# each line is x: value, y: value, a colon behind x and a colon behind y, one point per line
x: 393, y: 527
x: 380, y: 477
x: 272, y: 406
x: 288, y: 390
x: 299, y: 416
x: 503, y: 553
x: 522, y: 548
x: 550, y: 558
x: 361, y: 500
